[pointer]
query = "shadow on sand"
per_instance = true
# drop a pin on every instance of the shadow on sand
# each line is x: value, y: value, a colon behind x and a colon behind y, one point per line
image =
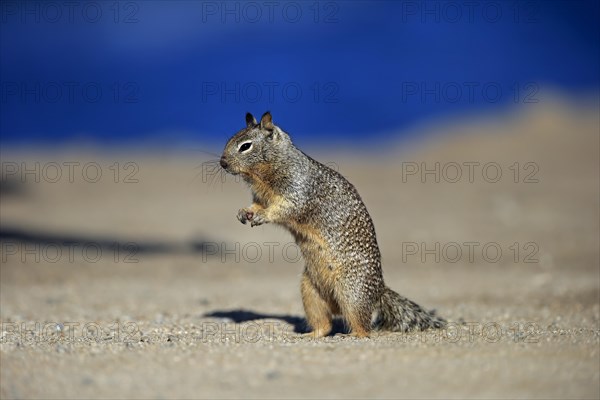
x: 299, y: 323
x: 15, y: 235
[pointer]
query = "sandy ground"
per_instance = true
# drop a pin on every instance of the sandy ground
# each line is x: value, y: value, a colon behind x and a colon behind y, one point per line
x: 152, y: 289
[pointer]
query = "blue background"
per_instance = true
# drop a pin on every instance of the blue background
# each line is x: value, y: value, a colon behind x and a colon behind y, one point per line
x: 167, y: 72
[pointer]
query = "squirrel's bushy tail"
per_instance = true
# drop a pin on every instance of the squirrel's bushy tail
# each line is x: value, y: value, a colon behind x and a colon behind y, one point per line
x: 400, y: 314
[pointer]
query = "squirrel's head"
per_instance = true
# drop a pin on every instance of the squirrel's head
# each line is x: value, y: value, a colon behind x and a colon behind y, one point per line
x: 255, y: 147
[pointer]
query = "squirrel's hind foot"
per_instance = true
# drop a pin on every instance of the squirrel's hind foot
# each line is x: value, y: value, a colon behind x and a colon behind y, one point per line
x: 316, y: 334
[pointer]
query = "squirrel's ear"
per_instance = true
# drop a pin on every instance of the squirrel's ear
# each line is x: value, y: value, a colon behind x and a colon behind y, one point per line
x: 266, y: 122
x: 250, y: 120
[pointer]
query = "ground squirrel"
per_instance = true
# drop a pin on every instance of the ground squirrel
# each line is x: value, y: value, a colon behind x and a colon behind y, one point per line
x: 330, y: 224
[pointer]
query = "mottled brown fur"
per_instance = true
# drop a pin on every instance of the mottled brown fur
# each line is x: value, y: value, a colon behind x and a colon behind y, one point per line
x: 330, y: 224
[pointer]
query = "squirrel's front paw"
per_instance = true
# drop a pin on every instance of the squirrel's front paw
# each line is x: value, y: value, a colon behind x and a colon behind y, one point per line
x: 244, y: 215
x: 258, y: 219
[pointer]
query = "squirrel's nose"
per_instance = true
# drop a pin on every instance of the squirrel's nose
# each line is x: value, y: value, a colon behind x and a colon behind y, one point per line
x: 223, y: 162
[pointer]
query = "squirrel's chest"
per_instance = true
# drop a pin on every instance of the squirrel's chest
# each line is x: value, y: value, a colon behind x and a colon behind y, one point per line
x: 263, y: 194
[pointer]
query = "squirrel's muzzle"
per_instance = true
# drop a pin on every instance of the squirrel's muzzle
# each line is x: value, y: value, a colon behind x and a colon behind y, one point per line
x: 223, y: 163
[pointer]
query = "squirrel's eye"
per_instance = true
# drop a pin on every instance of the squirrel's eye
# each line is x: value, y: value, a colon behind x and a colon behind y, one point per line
x: 245, y: 147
